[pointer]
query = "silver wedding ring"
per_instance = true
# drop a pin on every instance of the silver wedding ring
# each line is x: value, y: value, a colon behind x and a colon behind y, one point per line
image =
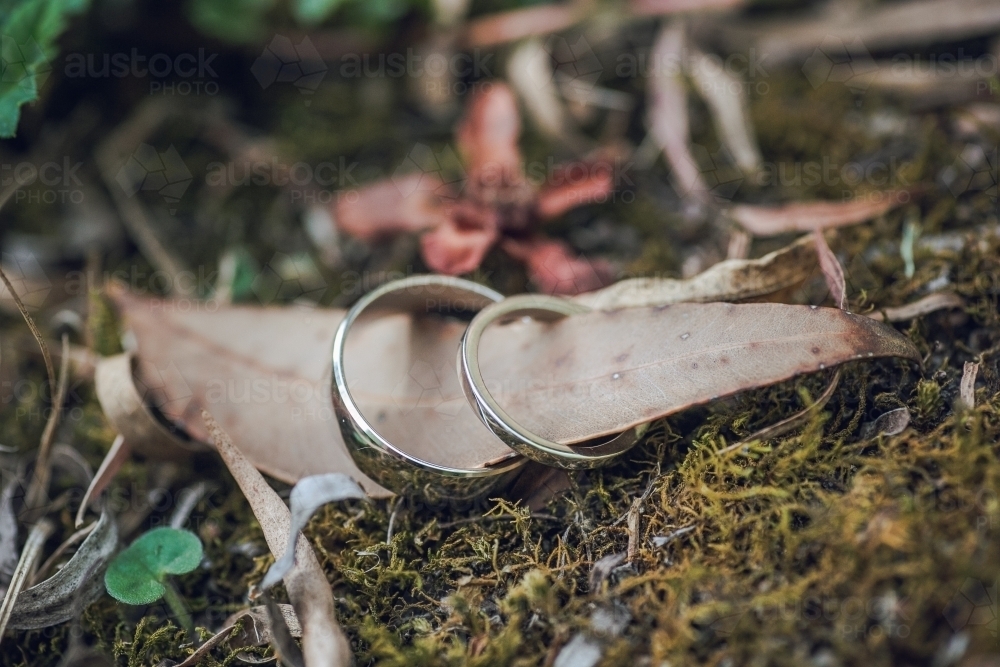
x: 515, y: 436
x: 389, y: 464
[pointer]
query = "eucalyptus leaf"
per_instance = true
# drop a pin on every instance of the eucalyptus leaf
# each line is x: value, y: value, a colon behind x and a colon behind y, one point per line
x: 77, y: 584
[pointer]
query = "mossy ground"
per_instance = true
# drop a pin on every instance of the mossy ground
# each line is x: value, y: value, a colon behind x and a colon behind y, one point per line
x: 819, y: 547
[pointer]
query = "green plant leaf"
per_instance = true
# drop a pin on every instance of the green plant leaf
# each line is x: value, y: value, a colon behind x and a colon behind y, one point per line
x: 136, y: 574
x: 234, y: 21
x: 27, y: 43
x: 311, y: 12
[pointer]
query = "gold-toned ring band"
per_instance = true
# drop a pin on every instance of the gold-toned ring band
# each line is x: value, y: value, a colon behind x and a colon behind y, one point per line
x: 515, y: 436
x: 386, y: 463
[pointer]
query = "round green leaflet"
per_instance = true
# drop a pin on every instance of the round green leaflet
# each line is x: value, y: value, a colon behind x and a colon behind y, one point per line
x: 136, y: 575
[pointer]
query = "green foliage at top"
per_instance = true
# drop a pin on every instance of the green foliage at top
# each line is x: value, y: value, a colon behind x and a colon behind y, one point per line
x: 136, y: 574
x: 247, y: 21
x: 28, y: 32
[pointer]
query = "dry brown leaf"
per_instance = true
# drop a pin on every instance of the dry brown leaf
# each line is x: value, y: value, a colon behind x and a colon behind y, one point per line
x: 810, y: 216
x: 126, y: 407
x: 928, y: 304
x: 726, y: 97
x: 602, y: 372
x: 516, y: 24
x: 731, y: 280
x: 668, y: 110
x: 967, y: 387
x: 529, y: 72
x: 892, y: 422
x: 112, y: 463
x: 664, y: 7
x: 833, y: 272
x: 323, y: 642
x: 865, y: 27
x: 566, y: 381
x: 963, y: 83
x: 265, y: 373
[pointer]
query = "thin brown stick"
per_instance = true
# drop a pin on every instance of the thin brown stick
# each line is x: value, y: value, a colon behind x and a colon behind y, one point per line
x: 50, y: 369
x: 43, y: 471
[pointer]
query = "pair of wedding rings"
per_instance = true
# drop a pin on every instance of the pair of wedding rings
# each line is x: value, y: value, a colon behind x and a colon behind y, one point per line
x: 390, y: 464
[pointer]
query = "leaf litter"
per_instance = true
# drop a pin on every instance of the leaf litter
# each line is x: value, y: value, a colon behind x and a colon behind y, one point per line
x: 516, y: 588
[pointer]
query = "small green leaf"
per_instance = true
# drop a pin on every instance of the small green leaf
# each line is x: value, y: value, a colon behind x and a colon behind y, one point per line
x: 28, y: 32
x: 136, y: 574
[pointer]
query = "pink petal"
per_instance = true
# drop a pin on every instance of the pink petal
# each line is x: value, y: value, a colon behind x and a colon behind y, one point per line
x: 405, y: 204
x: 459, y: 245
x: 555, y: 269
x: 487, y: 137
x: 574, y: 185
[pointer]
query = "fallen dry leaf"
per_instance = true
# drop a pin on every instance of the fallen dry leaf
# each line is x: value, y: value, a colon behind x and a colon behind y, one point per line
x: 308, y: 495
x: 602, y: 372
x: 730, y: 280
x: 29, y: 555
x: 726, y: 97
x: 859, y: 28
x: 265, y: 372
x: 323, y: 642
x: 112, y: 463
x: 810, y: 216
x: 664, y: 7
x: 668, y: 110
x: 517, y: 24
x: 924, y: 306
x: 565, y: 380
x: 74, y: 586
x: 833, y: 272
x: 892, y: 422
x: 529, y: 71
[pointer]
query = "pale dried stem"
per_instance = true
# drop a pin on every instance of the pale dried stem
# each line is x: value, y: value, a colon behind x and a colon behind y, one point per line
x: 32, y: 549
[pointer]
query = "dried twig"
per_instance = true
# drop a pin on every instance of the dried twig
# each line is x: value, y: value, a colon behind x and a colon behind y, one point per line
x: 49, y: 368
x: 786, y: 425
x: 40, y: 480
